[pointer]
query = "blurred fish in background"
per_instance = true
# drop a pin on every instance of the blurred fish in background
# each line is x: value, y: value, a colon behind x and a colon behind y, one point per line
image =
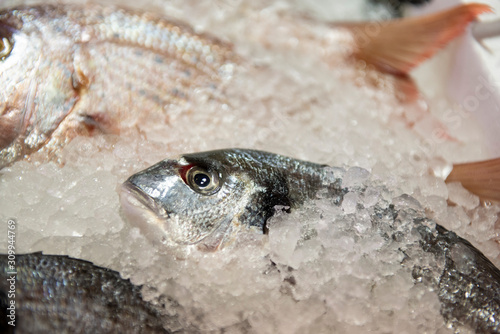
x: 397, y: 6
x: 71, y: 70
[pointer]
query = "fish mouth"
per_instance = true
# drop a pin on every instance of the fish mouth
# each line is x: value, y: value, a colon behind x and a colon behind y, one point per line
x: 142, y: 211
x: 135, y: 196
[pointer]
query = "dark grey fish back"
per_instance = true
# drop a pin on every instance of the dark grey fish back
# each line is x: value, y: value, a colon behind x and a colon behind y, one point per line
x: 303, y: 179
x: 58, y: 294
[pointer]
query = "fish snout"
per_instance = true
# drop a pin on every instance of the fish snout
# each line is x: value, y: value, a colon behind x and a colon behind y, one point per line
x: 140, y: 210
x: 133, y: 195
x: 148, y: 188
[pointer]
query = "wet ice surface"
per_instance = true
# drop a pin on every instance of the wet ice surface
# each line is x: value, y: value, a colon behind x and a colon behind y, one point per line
x: 322, y: 268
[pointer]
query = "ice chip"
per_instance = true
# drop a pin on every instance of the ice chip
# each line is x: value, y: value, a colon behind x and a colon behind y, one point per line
x: 355, y: 177
x: 433, y: 186
x: 370, y: 196
x: 406, y: 202
x: 283, y: 238
x: 461, y: 196
x: 350, y: 202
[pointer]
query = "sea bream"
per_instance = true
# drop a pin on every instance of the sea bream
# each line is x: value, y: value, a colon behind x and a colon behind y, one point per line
x: 42, y: 293
x: 206, y: 199
x: 68, y: 70
x: 77, y: 70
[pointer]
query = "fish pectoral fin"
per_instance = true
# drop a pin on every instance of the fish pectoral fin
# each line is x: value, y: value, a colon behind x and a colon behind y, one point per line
x: 481, y: 178
x: 217, y: 238
x: 397, y: 46
x: 99, y: 122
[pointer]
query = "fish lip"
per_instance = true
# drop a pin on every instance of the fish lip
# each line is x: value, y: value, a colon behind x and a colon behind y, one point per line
x: 147, y: 201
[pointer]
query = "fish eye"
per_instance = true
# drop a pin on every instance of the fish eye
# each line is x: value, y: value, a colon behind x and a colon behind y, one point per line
x: 5, y: 48
x: 203, y: 181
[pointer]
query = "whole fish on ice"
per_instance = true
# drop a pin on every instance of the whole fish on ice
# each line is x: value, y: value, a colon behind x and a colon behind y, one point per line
x: 72, y: 70
x: 204, y: 199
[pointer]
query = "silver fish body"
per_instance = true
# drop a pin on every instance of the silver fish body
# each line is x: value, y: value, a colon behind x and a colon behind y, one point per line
x: 204, y: 198
x: 58, y: 294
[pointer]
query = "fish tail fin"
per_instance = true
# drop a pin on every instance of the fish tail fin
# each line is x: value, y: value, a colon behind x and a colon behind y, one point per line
x: 398, y: 46
x: 481, y: 178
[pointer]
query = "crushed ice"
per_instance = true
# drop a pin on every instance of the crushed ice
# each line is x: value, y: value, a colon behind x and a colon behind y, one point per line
x: 323, y: 268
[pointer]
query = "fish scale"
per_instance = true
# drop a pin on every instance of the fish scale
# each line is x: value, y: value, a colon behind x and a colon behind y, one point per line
x: 111, y: 24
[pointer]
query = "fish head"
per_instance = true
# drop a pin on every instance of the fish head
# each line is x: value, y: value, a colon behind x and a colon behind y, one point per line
x: 11, y: 80
x: 202, y: 198
x: 36, y: 81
